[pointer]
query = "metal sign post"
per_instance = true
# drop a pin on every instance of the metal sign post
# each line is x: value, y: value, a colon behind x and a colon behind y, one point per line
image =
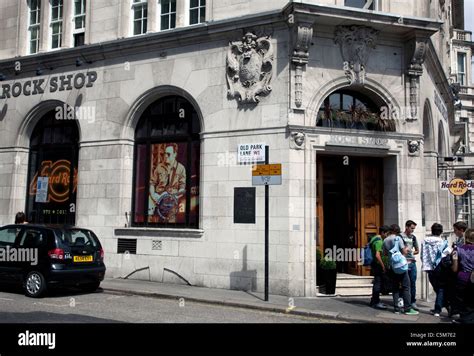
x: 266, y: 228
x: 266, y: 174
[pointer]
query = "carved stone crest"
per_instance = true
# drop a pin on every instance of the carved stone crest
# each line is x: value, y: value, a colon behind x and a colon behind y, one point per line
x: 356, y: 43
x: 249, y: 68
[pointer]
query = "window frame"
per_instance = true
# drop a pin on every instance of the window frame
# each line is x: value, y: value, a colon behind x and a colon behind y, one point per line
x: 461, y: 76
x: 143, y: 4
x: 168, y: 14
x: 59, y: 22
x: 368, y: 3
x: 75, y: 16
x: 36, y: 26
x: 191, y: 139
x: 200, y: 8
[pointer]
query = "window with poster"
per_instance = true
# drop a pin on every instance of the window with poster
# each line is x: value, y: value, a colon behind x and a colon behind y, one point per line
x: 166, y: 177
x: 53, y: 171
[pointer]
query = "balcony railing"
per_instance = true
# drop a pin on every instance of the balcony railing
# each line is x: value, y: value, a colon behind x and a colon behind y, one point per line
x: 467, y: 90
x: 462, y: 35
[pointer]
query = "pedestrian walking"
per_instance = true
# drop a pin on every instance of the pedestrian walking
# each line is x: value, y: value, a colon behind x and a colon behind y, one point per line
x: 378, y: 266
x: 413, y: 249
x: 395, y: 243
x: 463, y: 265
x: 431, y: 255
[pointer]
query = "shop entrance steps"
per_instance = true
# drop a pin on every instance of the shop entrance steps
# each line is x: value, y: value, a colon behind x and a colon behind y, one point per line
x: 349, y: 285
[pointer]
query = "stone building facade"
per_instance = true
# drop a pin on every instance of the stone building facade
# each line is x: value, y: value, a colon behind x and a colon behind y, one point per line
x: 134, y: 111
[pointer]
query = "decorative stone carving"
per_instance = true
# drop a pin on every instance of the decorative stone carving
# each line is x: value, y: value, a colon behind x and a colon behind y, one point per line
x: 302, y: 41
x: 356, y: 43
x: 416, y: 50
x: 298, y: 140
x: 414, y: 147
x: 250, y: 68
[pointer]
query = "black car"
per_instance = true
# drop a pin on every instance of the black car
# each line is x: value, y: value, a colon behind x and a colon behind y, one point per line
x: 42, y: 256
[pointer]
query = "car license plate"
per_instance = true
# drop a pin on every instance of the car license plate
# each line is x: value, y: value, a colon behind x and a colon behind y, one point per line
x: 82, y: 259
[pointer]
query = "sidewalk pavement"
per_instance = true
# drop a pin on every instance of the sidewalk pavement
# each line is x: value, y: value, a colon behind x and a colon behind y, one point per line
x: 343, y: 309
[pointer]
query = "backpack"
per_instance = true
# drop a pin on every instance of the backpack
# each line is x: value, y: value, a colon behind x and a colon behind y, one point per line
x: 367, y: 256
x: 398, y: 262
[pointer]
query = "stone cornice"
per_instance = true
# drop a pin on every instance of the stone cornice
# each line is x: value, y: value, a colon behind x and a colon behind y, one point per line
x: 377, y: 19
x: 211, y: 31
x: 157, y: 43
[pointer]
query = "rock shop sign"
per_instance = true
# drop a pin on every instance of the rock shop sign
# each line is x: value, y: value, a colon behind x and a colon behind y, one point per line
x: 56, y: 83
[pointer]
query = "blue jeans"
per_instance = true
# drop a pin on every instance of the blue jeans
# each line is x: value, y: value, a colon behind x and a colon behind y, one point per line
x: 439, y: 290
x: 404, y: 281
x: 412, y: 272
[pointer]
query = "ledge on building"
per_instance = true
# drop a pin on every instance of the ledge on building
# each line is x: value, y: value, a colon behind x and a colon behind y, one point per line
x: 159, y: 232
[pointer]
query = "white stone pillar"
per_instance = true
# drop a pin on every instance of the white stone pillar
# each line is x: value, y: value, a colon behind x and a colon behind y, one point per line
x: 68, y: 9
x: 44, y: 27
x: 152, y: 16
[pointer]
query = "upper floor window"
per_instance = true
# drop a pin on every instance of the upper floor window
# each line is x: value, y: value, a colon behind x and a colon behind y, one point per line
x: 79, y: 22
x: 168, y: 14
x: 350, y: 109
x: 34, y: 25
x: 140, y: 15
x: 56, y: 23
x: 362, y: 4
x: 197, y: 11
x: 462, y: 68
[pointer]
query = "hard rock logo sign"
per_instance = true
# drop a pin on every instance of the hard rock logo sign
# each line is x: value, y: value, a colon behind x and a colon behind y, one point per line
x: 59, y: 178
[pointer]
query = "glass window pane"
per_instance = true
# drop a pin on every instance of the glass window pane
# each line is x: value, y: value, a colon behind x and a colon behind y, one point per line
x: 193, y: 16
x: 137, y: 13
x: 165, y: 23
x: 355, y: 3
x: 194, y: 3
x: 173, y: 6
x: 347, y: 102
x: 173, y: 21
x: 202, y: 17
x: 137, y: 25
x: 77, y: 7
x: 335, y: 101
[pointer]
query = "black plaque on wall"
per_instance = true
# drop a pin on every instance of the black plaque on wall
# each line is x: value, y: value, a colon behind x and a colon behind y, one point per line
x: 244, y: 205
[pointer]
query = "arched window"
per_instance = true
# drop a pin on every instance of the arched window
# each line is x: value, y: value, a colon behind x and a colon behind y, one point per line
x: 351, y: 109
x: 166, y: 179
x: 52, y: 171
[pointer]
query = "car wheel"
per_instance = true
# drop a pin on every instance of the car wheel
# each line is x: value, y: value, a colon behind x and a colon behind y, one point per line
x: 35, y: 284
x: 90, y: 287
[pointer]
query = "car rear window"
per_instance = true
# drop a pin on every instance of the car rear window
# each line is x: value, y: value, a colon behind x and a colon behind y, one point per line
x: 78, y: 237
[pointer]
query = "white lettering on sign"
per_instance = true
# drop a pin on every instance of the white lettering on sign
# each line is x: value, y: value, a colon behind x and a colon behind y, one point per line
x: 358, y: 141
x: 251, y: 153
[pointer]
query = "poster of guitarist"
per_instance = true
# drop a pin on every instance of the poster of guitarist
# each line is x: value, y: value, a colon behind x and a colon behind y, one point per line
x: 167, y: 198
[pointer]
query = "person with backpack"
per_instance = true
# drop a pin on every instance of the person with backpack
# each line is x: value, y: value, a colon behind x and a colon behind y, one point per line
x: 378, y: 266
x: 434, y: 248
x: 413, y: 249
x: 394, y: 247
x: 463, y: 265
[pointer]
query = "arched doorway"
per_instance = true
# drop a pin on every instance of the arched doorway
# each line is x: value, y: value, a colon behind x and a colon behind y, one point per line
x: 350, y: 184
x: 167, y: 164
x: 53, y: 170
